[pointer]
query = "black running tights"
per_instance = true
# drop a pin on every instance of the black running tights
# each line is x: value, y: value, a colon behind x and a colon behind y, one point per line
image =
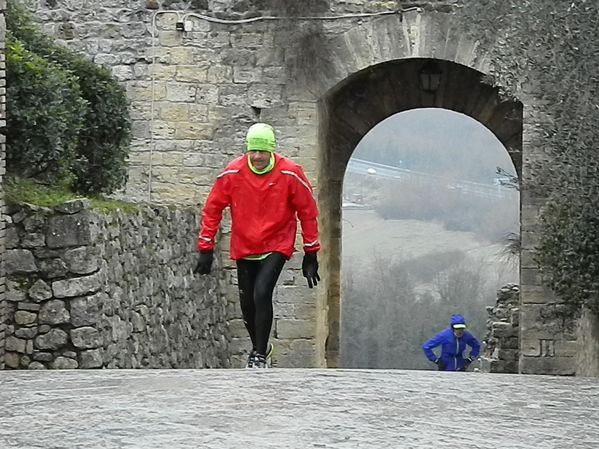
x: 257, y: 280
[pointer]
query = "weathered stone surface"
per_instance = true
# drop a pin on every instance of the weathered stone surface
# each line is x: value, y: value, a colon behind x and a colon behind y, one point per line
x: 90, y: 359
x: 81, y: 260
x: 15, y: 345
x: 43, y: 356
x: 19, y: 261
x: 54, y: 312
x: 76, y: 286
x: 64, y: 363
x: 54, y: 339
x: 68, y: 230
x: 86, y: 337
x: 26, y: 332
x: 73, y: 206
x: 36, y: 365
x: 85, y: 310
x: 29, y: 306
x: 23, y: 317
x: 12, y: 359
x: 40, y: 291
x: 15, y: 291
x: 52, y: 268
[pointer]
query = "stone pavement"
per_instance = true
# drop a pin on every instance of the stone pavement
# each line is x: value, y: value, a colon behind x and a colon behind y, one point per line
x: 295, y: 408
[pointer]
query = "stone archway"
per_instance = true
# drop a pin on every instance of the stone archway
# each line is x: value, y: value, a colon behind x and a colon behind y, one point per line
x: 355, y: 105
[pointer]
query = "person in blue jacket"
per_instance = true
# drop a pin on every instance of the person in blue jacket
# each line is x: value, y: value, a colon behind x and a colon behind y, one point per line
x: 453, y: 341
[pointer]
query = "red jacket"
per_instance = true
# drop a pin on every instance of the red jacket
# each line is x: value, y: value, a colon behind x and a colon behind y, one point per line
x: 264, y: 209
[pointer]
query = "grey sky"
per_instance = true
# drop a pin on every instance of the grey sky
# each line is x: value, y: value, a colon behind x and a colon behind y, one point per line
x: 437, y: 141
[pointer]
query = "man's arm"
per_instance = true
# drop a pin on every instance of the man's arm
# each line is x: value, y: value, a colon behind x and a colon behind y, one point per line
x: 212, y: 214
x: 429, y: 345
x: 475, y: 345
x: 304, y: 204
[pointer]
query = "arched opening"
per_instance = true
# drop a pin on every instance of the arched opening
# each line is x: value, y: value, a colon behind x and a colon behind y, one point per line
x: 427, y: 221
x: 357, y: 104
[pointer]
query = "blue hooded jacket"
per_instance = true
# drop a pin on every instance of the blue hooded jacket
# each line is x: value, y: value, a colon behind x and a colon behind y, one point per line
x: 452, y: 347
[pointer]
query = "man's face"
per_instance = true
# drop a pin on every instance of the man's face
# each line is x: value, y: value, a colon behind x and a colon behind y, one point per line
x: 458, y: 332
x: 259, y: 159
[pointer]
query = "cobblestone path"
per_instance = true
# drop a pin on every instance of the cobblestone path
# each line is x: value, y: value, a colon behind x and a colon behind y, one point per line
x: 295, y: 408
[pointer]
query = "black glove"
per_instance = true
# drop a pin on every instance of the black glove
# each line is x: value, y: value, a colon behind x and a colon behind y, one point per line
x: 310, y: 269
x: 467, y: 362
x: 441, y: 364
x: 204, y: 262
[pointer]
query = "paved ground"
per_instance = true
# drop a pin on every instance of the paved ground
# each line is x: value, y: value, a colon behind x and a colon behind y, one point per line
x: 299, y: 408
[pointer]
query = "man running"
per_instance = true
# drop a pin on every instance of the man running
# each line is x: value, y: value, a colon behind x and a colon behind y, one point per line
x: 266, y: 193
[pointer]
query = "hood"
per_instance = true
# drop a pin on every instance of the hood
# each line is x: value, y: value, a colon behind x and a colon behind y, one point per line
x: 457, y: 320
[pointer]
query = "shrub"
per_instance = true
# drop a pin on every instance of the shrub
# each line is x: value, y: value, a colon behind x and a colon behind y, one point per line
x: 99, y: 162
x: 104, y: 140
x: 45, y: 117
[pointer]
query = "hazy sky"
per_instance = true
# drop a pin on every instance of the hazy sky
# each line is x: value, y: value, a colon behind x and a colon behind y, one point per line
x: 437, y: 141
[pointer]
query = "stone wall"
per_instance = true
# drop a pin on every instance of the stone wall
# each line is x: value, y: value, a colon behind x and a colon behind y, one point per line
x: 501, y: 345
x: 92, y: 289
x: 2, y: 171
x: 587, y: 356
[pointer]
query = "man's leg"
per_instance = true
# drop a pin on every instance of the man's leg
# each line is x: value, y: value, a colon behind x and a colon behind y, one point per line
x: 247, y: 271
x: 266, y: 279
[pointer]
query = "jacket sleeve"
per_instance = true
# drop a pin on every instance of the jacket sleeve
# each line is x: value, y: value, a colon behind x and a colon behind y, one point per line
x: 304, y: 203
x: 475, y: 345
x: 431, y: 343
x: 212, y: 213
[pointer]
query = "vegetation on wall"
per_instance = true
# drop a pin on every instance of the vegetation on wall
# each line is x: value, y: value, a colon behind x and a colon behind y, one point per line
x: 549, y: 50
x: 68, y: 122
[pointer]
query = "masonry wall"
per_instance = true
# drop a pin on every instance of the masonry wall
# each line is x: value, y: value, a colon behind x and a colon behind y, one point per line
x: 92, y: 289
x: 501, y: 346
x: 193, y: 93
x: 2, y: 172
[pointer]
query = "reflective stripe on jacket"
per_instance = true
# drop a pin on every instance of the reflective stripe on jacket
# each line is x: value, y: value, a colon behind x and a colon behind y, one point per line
x: 452, y: 348
x: 264, y: 209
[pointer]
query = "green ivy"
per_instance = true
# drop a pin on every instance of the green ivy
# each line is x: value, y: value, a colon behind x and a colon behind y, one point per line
x: 552, y: 47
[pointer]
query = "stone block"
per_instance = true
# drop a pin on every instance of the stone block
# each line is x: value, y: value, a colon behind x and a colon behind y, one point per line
x: 557, y: 366
x: 181, y: 92
x: 174, y: 112
x: 23, y: 317
x: 192, y: 74
x: 86, y: 337
x: 73, y: 206
x: 19, y: 261
x: 36, y: 366
x: 15, y: 291
x: 90, y: 359
x: 53, y: 340
x: 40, y: 291
x: 501, y: 329
x: 54, y: 312
x: 14, y: 344
x: 29, y: 306
x: 68, y: 230
x: 194, y: 131
x: 82, y: 260
x: 26, y: 332
x: 43, y: 356
x: 12, y: 359
x: 64, y: 363
x: 52, y: 268
x: 287, y: 329
x: 77, y: 286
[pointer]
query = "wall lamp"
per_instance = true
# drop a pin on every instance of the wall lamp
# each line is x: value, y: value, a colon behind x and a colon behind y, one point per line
x: 430, y: 77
